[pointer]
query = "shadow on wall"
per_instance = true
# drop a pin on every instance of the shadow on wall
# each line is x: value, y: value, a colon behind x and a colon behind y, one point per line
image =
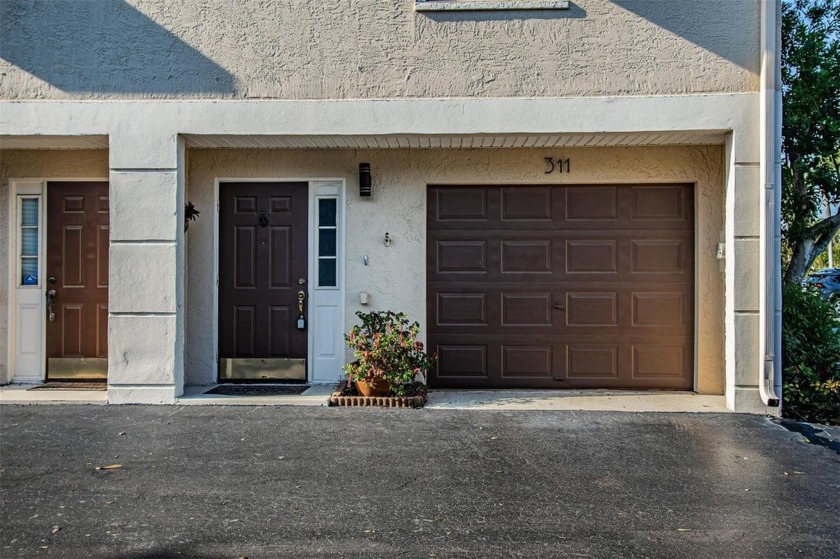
x: 704, y: 24
x: 98, y: 47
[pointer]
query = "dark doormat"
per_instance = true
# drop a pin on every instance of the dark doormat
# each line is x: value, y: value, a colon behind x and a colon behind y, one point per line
x: 56, y: 385
x: 250, y: 390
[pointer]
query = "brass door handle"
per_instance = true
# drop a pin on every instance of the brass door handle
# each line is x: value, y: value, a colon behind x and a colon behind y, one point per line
x: 301, y: 320
x: 51, y: 295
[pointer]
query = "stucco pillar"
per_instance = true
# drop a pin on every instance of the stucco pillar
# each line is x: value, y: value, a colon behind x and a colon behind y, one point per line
x: 146, y: 291
x: 744, y: 360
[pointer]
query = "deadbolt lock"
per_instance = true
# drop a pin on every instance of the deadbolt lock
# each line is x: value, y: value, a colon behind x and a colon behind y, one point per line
x: 301, y: 281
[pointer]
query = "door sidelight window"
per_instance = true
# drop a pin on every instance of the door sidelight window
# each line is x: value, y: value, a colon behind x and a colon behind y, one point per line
x: 327, y: 242
x: 29, y: 236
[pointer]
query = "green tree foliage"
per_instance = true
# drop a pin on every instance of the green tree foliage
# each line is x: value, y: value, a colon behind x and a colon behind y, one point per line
x: 811, y: 354
x: 811, y: 129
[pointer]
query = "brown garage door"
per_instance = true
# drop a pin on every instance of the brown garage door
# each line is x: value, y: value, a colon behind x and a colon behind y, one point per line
x: 561, y: 286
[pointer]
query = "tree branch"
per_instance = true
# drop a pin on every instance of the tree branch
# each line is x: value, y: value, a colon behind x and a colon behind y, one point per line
x: 828, y: 225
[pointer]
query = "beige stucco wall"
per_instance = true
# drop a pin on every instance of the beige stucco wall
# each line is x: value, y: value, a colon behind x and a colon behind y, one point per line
x: 396, y: 275
x: 35, y: 164
x: 319, y: 49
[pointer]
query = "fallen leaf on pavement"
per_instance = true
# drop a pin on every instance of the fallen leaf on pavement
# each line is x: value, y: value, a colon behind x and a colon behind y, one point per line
x: 56, y: 529
x: 110, y: 467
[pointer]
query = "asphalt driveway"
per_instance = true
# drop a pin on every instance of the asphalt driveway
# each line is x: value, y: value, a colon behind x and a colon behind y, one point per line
x: 324, y: 482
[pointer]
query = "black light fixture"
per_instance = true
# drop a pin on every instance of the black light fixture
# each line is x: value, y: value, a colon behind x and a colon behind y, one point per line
x: 365, y: 181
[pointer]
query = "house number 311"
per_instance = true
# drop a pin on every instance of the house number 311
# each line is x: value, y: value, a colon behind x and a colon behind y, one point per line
x: 559, y: 165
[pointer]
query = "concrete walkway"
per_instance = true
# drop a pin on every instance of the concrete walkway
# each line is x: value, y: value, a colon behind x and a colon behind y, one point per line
x: 275, y: 481
x: 318, y: 395
x: 584, y: 400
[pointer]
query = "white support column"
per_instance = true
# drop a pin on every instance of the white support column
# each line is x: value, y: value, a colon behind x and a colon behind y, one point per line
x: 745, y: 194
x: 146, y: 311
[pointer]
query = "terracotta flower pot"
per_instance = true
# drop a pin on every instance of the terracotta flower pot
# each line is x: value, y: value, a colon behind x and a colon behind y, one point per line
x: 375, y: 388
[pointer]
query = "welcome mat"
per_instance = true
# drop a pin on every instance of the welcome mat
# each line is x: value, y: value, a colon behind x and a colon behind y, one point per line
x: 101, y: 386
x: 246, y: 390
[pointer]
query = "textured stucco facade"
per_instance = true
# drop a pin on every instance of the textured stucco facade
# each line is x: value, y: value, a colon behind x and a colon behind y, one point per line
x: 351, y: 49
x: 396, y: 275
x: 175, y: 96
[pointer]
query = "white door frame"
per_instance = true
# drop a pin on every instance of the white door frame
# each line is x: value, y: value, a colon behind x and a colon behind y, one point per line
x: 36, y: 371
x: 325, y: 341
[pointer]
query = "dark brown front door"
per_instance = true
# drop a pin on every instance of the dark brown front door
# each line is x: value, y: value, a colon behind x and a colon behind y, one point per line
x: 262, y: 270
x: 561, y: 286
x: 77, y: 273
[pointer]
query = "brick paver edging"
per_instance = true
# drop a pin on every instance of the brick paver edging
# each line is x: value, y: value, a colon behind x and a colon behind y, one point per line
x: 339, y: 399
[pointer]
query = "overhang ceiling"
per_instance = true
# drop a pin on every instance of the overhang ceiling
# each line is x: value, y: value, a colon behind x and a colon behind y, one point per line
x: 390, y: 141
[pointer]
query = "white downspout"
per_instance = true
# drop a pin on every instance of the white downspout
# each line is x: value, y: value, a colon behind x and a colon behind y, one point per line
x: 769, y: 374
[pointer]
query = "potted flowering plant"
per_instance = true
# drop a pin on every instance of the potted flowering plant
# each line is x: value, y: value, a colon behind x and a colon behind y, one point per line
x: 390, y: 360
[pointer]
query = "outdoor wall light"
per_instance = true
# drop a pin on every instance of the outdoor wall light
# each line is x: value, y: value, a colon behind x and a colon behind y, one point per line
x: 365, y: 181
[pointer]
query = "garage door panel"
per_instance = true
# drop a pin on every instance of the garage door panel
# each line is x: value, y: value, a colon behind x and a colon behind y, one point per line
x: 461, y: 309
x: 562, y: 286
x: 520, y: 256
x: 461, y: 256
x: 592, y: 361
x: 460, y: 204
x: 592, y: 309
x: 585, y: 308
x: 659, y: 360
x: 658, y: 256
x: 527, y: 361
x: 613, y: 207
x: 526, y: 309
x: 474, y: 361
x: 661, y: 203
x: 458, y: 361
x: 524, y: 203
x: 526, y: 256
x: 591, y: 256
x: 660, y: 309
x: 591, y: 203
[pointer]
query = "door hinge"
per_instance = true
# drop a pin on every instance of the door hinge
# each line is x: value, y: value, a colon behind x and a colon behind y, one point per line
x: 218, y: 205
x: 217, y: 280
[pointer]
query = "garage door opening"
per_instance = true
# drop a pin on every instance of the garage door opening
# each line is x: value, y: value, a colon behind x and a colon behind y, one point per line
x: 578, y: 286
